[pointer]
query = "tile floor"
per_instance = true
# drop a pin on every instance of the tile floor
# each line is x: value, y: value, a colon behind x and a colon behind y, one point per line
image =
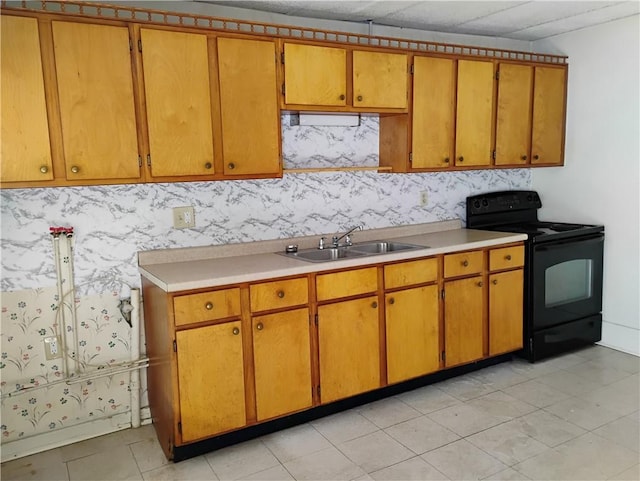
x: 571, y: 417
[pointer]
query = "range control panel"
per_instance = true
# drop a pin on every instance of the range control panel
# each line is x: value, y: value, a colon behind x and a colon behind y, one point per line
x: 504, y: 201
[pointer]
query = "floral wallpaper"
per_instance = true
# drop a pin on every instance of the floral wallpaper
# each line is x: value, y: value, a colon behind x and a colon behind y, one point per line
x: 113, y: 223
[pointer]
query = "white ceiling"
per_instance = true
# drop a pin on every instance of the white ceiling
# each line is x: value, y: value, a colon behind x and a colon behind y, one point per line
x: 520, y: 20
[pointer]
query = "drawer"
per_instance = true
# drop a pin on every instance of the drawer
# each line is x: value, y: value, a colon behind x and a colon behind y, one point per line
x: 410, y: 273
x: 463, y: 263
x: 346, y: 283
x: 506, y: 257
x: 207, y: 306
x: 278, y: 294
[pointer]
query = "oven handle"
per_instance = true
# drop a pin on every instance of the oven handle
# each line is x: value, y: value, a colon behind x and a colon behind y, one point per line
x: 583, y: 240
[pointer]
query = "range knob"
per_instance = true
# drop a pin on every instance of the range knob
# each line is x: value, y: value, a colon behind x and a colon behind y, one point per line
x: 529, y: 197
x: 476, y: 204
x: 485, y: 202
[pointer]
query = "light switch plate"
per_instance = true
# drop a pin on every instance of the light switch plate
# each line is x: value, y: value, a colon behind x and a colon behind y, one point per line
x: 184, y: 217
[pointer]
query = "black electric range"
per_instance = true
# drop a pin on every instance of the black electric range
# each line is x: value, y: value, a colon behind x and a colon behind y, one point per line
x: 563, y: 271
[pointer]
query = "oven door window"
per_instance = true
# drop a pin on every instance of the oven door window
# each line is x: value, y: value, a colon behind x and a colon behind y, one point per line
x: 566, y: 282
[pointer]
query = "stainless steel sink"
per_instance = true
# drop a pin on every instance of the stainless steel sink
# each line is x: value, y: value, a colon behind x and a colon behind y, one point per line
x: 363, y: 249
x: 382, y: 247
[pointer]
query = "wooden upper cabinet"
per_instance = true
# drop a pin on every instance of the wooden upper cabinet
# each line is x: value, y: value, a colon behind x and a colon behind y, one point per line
x: 249, y: 107
x: 433, y: 112
x: 25, y: 153
x: 513, y: 116
x: 315, y: 75
x: 474, y: 113
x: 97, y: 108
x: 178, y: 100
x: 549, y: 100
x: 379, y: 79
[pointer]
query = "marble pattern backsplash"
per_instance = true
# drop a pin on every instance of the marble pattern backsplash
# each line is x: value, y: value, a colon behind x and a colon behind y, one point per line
x: 113, y: 223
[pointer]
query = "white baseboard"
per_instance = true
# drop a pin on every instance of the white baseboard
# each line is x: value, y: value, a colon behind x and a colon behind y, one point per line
x: 621, y: 338
x: 69, y: 435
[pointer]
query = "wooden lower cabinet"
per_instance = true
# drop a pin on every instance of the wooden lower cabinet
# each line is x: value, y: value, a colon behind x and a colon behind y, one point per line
x: 463, y: 320
x: 282, y: 363
x: 210, y: 380
x: 505, y: 311
x: 412, y: 329
x: 349, y: 348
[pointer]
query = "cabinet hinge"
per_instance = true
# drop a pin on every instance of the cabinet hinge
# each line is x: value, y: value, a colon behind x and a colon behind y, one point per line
x: 411, y: 69
x: 443, y: 355
x: 175, y: 346
x: 316, y: 319
x: 130, y: 45
x: 493, y: 155
x: 442, y: 293
x: 149, y: 160
x: 498, y: 75
x: 282, y: 89
x: 139, y: 160
x: 139, y: 45
x: 282, y: 58
x: 411, y: 157
x: 180, y: 427
x: 318, y: 390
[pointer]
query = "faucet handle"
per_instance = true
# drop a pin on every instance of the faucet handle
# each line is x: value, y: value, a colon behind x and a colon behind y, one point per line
x: 334, y: 240
x: 347, y: 240
x: 321, y: 242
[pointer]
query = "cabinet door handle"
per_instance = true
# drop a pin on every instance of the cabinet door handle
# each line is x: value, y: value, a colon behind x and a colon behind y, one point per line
x: 231, y: 166
x: 75, y: 169
x: 494, y: 282
x: 236, y: 331
x: 259, y: 326
x: 208, y: 306
x: 44, y: 169
x: 392, y: 301
x: 479, y: 284
x: 342, y: 97
x: 524, y: 157
x: 359, y: 98
x: 374, y: 304
x: 465, y: 263
x: 208, y: 165
x: 446, y: 160
x: 280, y: 294
x: 536, y: 157
x: 461, y: 159
x: 508, y: 257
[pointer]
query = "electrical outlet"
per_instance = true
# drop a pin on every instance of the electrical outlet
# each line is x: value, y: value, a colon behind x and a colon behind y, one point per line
x: 184, y: 217
x: 424, y: 198
x: 52, y: 348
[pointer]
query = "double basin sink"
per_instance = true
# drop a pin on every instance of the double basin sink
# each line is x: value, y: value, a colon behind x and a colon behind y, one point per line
x: 349, y: 252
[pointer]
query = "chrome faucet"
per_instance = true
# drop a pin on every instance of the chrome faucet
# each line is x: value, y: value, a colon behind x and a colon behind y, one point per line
x: 335, y: 240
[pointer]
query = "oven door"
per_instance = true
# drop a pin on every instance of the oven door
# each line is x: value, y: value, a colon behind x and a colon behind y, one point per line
x: 566, y: 280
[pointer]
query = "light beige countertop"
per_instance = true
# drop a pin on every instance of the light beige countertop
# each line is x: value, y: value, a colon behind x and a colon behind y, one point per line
x: 175, y: 270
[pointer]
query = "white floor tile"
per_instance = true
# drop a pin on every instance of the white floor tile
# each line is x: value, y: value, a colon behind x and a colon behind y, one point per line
x: 295, y: 442
x: 462, y: 460
x: 110, y: 465
x: 344, y: 426
x: 507, y: 444
x: 411, y: 469
x: 375, y: 451
x: 241, y: 460
x: 329, y: 463
x: 188, y: 470
x: 387, y: 412
x: 421, y: 434
x: 428, y: 399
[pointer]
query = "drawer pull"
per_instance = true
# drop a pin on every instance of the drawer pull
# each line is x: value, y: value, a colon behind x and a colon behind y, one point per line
x: 461, y: 159
x: 392, y: 301
x: 208, y: 165
x: 75, y: 169
x: 44, y: 169
x: 479, y: 284
x: 359, y: 98
x: 231, y: 166
x: 465, y: 263
x: 374, y: 304
x: 494, y: 282
x: 342, y: 97
x: 208, y: 306
x: 236, y: 331
x: 259, y: 326
x: 508, y: 257
x: 280, y: 294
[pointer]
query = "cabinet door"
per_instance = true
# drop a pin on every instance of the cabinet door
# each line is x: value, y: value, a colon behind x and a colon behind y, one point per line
x: 412, y: 333
x: 25, y: 153
x: 249, y: 106
x: 97, y: 109
x: 211, y: 380
x: 380, y: 79
x: 315, y: 75
x: 433, y: 112
x: 513, y: 122
x: 282, y: 363
x: 547, y: 145
x: 474, y: 113
x: 505, y: 312
x: 349, y: 343
x: 463, y: 320
x: 178, y: 98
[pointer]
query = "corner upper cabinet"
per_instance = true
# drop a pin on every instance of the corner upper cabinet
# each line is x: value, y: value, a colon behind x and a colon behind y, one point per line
x: 549, y: 108
x: 474, y: 113
x: 97, y: 106
x: 249, y: 109
x: 25, y: 150
x: 178, y: 103
x: 339, y: 79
